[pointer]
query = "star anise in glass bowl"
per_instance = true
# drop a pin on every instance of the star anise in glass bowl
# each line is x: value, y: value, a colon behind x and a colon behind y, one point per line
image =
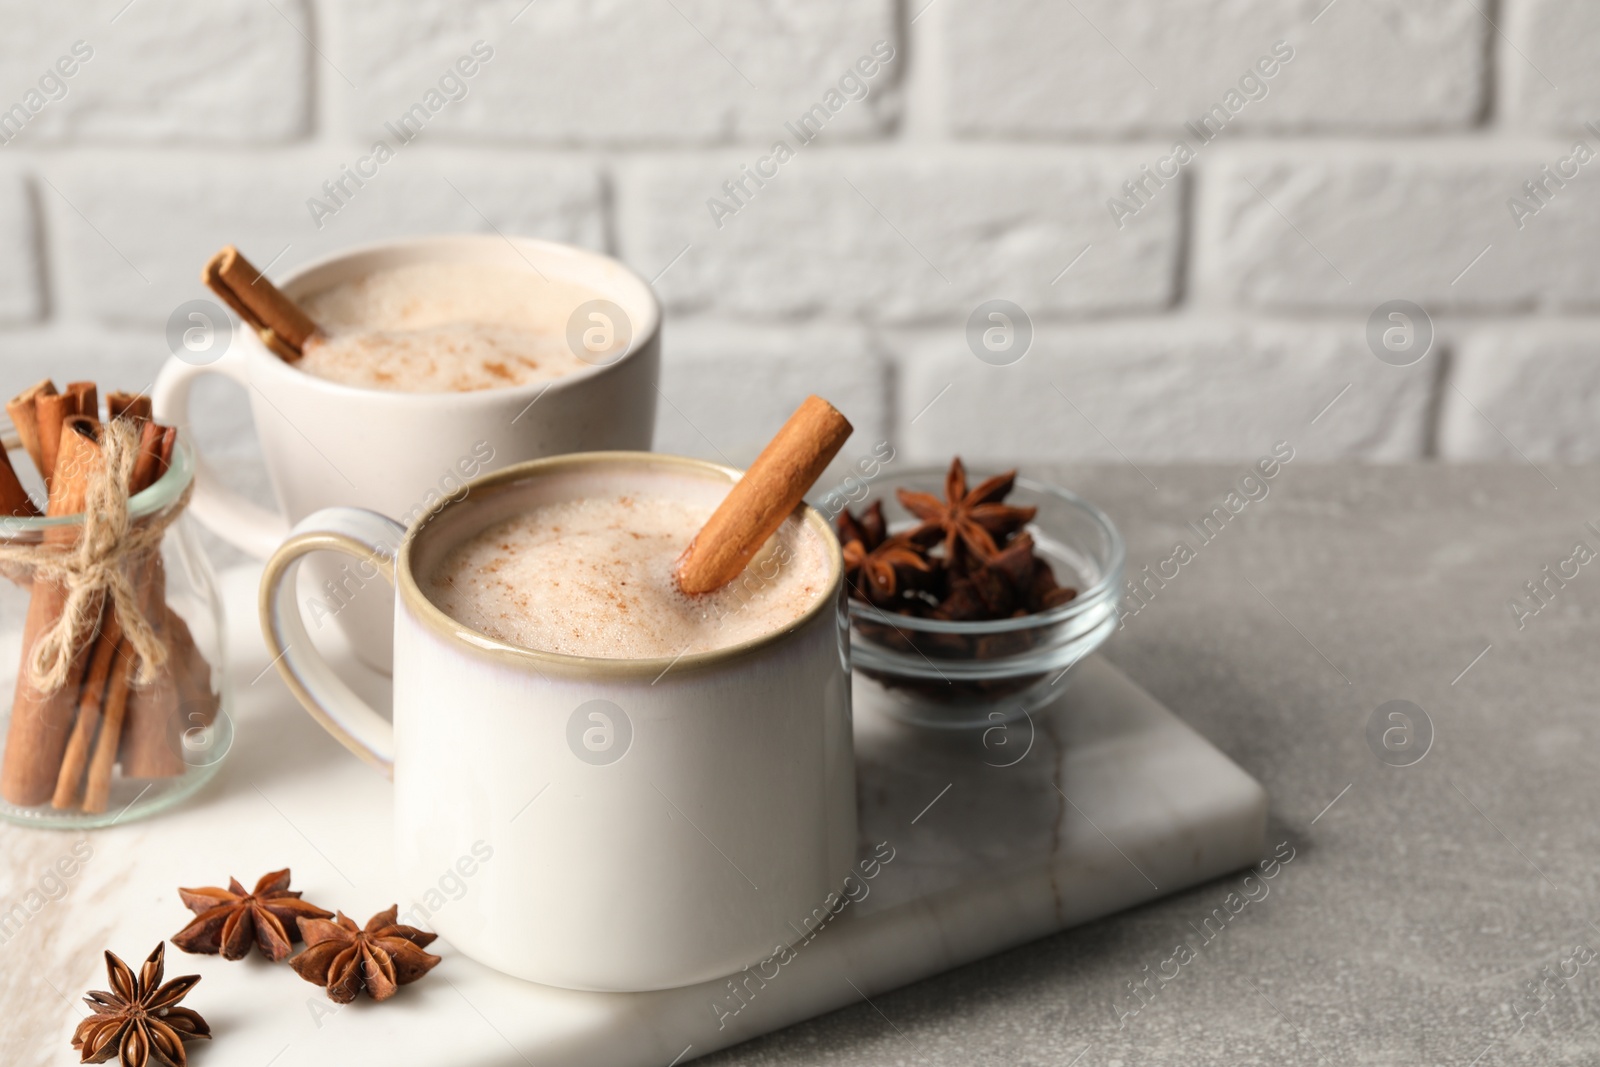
x: 879, y: 568
x: 969, y: 603
x: 972, y: 523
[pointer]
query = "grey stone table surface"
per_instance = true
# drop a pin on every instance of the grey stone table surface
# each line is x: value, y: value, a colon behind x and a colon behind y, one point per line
x: 1445, y: 912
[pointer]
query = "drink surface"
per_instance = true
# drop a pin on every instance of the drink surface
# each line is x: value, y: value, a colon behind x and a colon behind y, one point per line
x: 444, y: 327
x: 594, y: 577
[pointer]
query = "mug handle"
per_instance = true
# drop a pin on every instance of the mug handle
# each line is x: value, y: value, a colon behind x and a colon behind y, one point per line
x: 370, y: 538
x: 242, y: 523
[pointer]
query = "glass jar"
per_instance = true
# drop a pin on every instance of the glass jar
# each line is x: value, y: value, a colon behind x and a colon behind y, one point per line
x: 106, y: 747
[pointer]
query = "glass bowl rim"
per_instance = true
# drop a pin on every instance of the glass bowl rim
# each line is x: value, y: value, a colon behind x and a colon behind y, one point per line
x: 1086, y: 600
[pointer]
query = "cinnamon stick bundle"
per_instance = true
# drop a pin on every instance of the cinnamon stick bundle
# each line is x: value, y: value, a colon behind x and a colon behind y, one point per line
x: 64, y: 746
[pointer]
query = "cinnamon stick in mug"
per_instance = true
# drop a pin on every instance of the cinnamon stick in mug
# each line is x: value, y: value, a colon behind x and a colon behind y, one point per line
x: 41, y: 722
x: 283, y: 327
x: 759, y: 501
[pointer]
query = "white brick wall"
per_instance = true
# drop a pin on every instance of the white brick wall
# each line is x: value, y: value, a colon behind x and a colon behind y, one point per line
x: 1347, y: 226
x: 227, y: 71
x: 1182, y: 389
x: 909, y: 235
x: 991, y: 157
x: 1518, y: 393
x: 1111, y: 67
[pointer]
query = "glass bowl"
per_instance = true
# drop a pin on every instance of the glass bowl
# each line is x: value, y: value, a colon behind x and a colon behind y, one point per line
x: 960, y: 675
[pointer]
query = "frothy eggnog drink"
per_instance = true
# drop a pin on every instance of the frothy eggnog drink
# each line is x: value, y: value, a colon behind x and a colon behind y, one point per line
x: 444, y: 327
x: 594, y: 577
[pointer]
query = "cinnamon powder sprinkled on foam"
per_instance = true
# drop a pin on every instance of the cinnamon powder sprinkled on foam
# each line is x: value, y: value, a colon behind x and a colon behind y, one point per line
x: 444, y: 327
x: 594, y: 578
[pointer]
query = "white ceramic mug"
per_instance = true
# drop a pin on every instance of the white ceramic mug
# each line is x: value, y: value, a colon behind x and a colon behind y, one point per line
x: 650, y: 823
x: 327, y: 444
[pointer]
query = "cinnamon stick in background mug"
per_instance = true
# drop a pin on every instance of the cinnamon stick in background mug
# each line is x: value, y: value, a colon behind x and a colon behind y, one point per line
x: 278, y: 321
x: 377, y: 414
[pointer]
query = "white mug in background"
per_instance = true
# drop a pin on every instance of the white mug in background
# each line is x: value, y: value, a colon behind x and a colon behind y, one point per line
x: 650, y: 823
x: 326, y: 443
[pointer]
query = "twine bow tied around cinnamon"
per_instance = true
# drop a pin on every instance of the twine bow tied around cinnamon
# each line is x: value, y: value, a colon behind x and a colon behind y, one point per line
x: 96, y: 567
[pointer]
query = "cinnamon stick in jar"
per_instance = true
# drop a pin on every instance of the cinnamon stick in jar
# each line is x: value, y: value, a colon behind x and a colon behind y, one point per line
x: 111, y: 705
x: 40, y: 723
x: 14, y: 498
x: 181, y: 697
x: 75, y: 761
x: 53, y: 410
x: 149, y: 709
x: 24, y: 413
x: 97, y: 792
x: 120, y: 405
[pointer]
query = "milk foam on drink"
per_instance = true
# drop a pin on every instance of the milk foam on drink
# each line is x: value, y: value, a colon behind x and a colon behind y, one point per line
x: 441, y: 327
x: 594, y: 577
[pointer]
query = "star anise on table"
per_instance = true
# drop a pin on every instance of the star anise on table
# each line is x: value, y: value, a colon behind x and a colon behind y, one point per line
x: 877, y: 566
x: 139, y: 1019
x: 231, y: 919
x: 975, y: 519
x: 380, y: 957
